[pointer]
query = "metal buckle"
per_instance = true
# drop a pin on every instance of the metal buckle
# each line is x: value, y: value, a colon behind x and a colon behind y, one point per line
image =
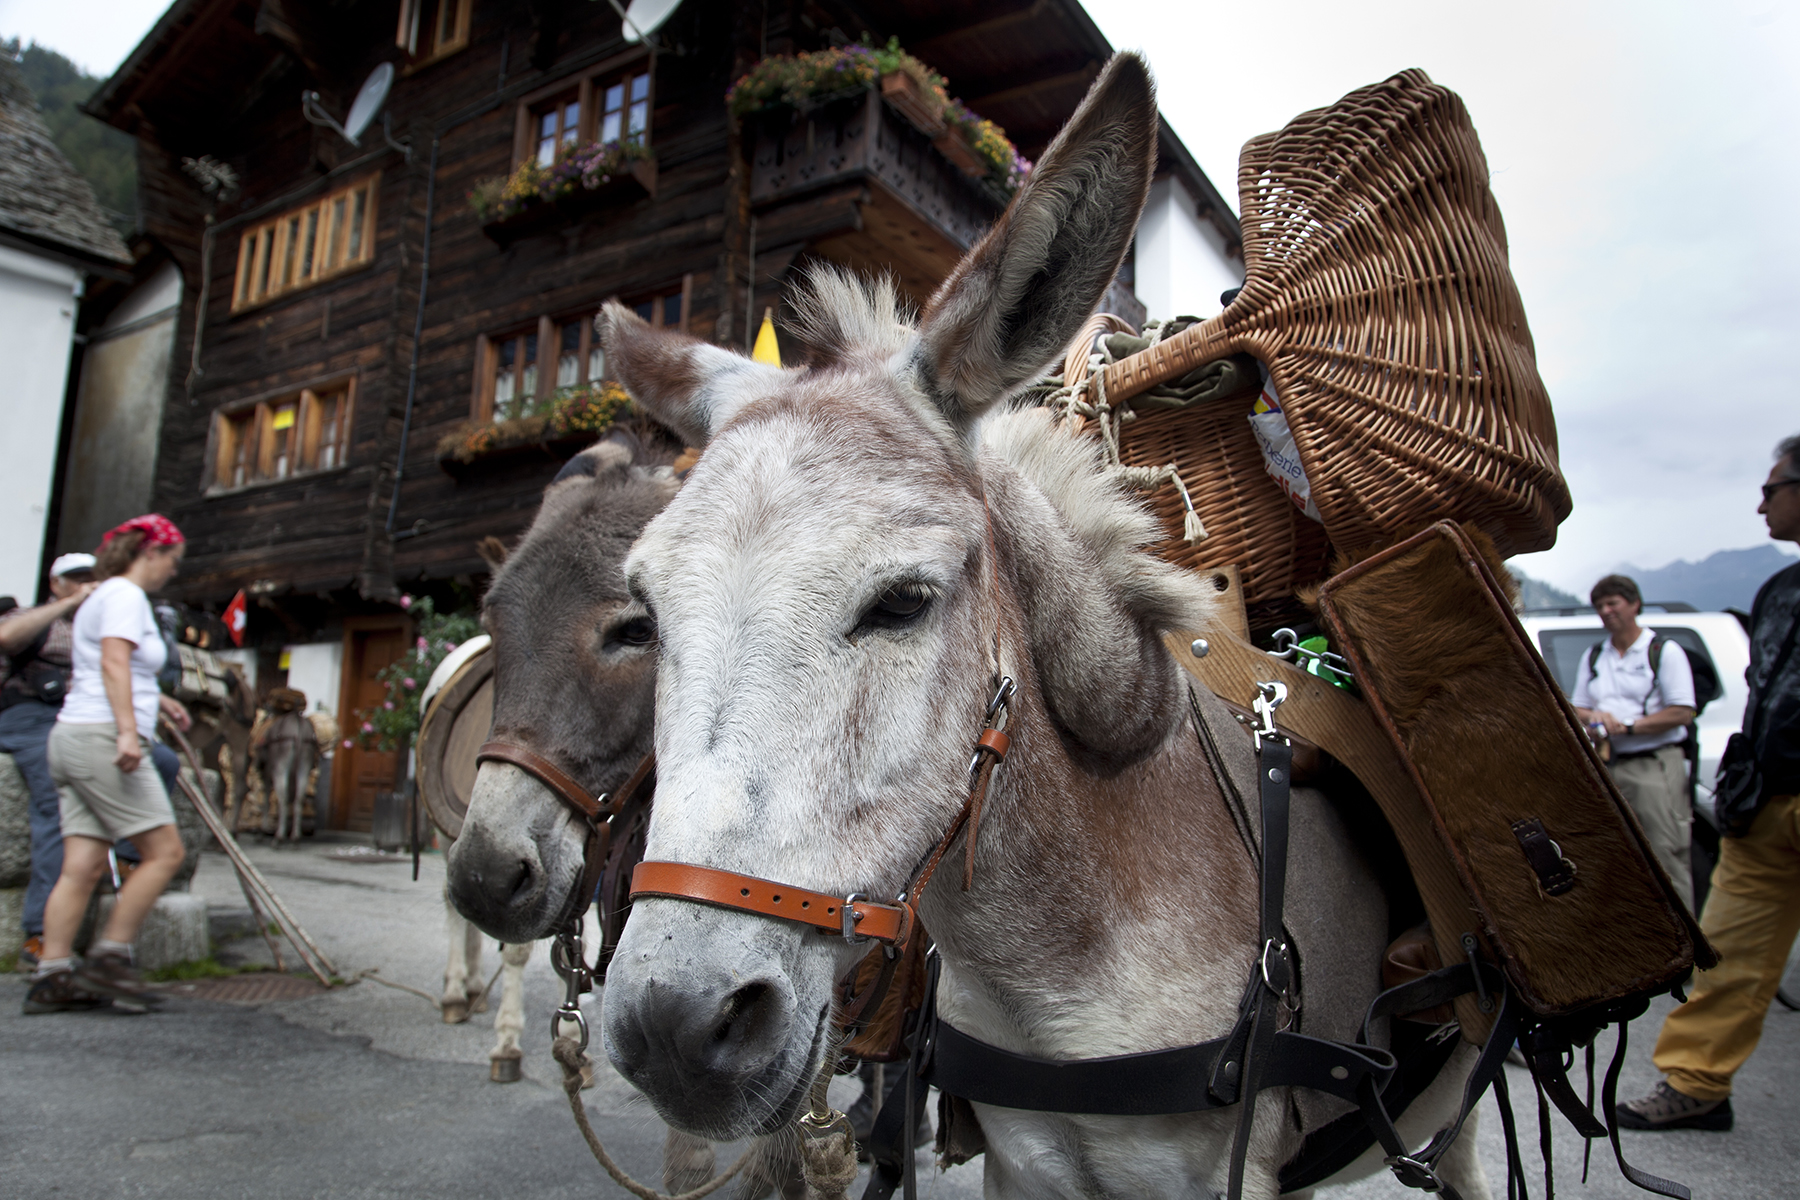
x: 569, y: 959
x: 997, y: 706
x: 1263, y: 960
x: 1413, y: 1173
x: 849, y: 916
x: 1269, y: 697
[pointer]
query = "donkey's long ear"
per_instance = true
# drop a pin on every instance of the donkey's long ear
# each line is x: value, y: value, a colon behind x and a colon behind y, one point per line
x: 1017, y: 298
x: 687, y: 384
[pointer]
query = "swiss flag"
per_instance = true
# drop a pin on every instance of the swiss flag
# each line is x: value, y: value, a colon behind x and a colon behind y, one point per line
x: 237, y: 616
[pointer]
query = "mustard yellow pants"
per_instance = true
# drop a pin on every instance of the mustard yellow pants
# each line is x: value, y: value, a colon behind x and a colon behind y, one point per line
x: 1752, y: 916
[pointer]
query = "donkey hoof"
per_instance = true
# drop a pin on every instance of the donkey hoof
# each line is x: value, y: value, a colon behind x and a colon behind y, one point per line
x: 505, y: 1070
x: 455, y: 1013
x: 478, y: 1003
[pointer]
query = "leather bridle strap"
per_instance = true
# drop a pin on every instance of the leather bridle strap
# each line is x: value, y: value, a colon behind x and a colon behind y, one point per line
x: 548, y: 774
x: 596, y: 811
x: 852, y: 916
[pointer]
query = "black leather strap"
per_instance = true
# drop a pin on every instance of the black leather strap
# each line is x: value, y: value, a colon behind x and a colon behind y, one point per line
x: 1555, y: 874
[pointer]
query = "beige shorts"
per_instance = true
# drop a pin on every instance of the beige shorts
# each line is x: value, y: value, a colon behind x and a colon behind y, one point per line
x: 99, y: 800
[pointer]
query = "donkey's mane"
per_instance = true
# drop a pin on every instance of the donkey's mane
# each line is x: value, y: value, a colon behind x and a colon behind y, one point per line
x: 1108, y: 518
x: 844, y: 317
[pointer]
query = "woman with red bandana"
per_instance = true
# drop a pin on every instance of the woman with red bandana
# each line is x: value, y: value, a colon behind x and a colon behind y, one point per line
x: 97, y: 758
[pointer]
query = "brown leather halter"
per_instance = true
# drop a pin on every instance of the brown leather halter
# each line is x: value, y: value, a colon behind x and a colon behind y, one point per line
x: 600, y: 813
x: 855, y: 916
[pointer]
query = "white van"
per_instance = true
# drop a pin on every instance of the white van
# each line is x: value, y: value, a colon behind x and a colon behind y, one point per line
x: 1562, y: 635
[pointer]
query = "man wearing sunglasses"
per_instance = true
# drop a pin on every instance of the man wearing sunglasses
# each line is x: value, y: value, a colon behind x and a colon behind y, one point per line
x: 1753, y: 911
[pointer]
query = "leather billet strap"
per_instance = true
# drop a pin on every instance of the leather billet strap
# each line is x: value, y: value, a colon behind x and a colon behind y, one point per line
x: 852, y: 916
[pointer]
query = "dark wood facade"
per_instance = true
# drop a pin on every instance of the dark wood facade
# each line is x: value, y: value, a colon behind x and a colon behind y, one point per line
x: 733, y: 210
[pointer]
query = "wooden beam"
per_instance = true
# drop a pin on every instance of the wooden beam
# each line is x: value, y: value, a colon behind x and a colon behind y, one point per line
x: 1079, y: 77
x: 930, y: 46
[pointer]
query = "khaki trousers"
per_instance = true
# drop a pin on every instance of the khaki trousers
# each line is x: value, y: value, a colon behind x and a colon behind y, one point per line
x: 1752, y: 915
x: 1656, y: 789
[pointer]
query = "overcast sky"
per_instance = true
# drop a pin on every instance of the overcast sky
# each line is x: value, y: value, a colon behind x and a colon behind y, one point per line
x: 1637, y: 151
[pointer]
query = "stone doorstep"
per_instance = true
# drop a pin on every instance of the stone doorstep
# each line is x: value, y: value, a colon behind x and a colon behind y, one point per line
x: 174, y: 931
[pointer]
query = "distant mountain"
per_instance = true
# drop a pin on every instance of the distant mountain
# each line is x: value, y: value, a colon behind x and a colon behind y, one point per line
x: 1535, y: 593
x: 1725, y: 579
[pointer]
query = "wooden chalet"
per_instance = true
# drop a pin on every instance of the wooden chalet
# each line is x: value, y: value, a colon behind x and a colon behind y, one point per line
x: 346, y: 310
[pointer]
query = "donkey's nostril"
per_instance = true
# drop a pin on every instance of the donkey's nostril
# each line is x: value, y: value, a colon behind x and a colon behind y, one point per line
x: 741, y: 1004
x: 521, y: 879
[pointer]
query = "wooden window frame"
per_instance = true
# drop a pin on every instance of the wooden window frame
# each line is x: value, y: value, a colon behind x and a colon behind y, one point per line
x: 588, y: 84
x: 409, y: 34
x: 272, y: 259
x: 549, y: 347
x: 306, y: 444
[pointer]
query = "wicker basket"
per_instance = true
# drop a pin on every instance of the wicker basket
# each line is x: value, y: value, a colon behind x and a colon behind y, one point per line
x: 1378, y: 293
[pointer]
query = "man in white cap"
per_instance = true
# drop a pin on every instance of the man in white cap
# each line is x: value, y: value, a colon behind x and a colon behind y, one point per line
x: 39, y: 642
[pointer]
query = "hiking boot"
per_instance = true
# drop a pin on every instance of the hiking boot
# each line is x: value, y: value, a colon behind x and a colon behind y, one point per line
x: 1666, y: 1108
x: 29, y: 953
x: 113, y: 975
x: 60, y: 992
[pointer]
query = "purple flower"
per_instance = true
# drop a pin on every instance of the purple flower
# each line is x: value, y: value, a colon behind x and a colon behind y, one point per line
x: 423, y: 644
x: 350, y: 745
x: 409, y: 682
x: 368, y: 728
x: 406, y: 601
x: 388, y: 704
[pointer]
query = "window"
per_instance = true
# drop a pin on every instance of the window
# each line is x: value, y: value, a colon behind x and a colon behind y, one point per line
x: 558, y: 124
x: 277, y: 439
x: 306, y: 245
x: 625, y: 109
x: 518, y: 370
x: 430, y: 29
x: 607, y: 105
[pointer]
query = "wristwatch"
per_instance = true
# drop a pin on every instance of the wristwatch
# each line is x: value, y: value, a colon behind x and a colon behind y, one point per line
x: 1630, y: 728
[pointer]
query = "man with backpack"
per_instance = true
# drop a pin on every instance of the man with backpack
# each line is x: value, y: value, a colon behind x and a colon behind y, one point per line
x: 1635, y: 690
x: 1752, y: 913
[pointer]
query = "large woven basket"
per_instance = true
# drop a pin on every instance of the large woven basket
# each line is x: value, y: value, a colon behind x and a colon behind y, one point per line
x: 1378, y: 294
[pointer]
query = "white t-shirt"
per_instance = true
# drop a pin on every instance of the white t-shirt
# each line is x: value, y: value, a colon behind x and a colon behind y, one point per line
x: 118, y: 608
x: 1623, y: 685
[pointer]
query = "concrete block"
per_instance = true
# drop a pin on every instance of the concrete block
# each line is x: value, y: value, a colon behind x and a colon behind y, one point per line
x: 15, y: 826
x: 12, y: 910
x: 224, y: 924
x: 174, y: 931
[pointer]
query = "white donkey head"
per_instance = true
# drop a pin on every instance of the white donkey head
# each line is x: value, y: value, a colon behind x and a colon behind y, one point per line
x: 835, y: 590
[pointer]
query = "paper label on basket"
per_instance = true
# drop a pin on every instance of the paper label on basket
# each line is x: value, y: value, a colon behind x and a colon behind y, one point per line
x: 1280, y: 457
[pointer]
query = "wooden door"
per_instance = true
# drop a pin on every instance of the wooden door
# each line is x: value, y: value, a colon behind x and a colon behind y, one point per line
x: 358, y: 773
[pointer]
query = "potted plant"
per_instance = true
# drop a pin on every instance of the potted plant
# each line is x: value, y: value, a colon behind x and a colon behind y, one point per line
x: 557, y: 426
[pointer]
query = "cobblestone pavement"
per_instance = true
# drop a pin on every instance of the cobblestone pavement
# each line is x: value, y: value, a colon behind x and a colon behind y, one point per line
x: 363, y: 1092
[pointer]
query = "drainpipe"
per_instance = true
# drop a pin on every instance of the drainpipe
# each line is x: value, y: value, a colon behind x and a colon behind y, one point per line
x: 412, y: 371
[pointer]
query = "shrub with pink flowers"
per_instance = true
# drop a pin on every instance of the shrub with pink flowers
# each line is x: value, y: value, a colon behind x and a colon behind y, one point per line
x: 576, y: 168
x: 394, y: 723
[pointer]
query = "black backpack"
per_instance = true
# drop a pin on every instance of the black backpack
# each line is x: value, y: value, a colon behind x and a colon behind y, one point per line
x: 1706, y: 676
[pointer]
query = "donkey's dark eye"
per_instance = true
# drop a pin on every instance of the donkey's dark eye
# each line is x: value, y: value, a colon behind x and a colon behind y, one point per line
x: 639, y: 631
x: 895, y: 608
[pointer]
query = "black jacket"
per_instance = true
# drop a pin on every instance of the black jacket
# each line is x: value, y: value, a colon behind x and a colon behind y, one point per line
x: 1772, y: 718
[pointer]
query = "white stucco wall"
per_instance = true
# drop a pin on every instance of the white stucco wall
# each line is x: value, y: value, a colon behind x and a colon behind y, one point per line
x: 118, y: 413
x: 317, y: 669
x: 1181, y: 261
x: 37, y: 318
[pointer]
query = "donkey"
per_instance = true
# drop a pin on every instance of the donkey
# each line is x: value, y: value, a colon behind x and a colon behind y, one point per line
x: 285, y: 757
x: 574, y: 679
x: 866, y: 545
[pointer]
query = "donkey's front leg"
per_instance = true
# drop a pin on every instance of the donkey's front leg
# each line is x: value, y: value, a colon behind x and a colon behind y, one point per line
x: 464, y: 938
x: 504, y: 1060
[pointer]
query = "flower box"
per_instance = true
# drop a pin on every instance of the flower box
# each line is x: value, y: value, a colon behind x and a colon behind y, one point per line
x: 910, y: 99
x: 633, y: 180
x: 954, y: 145
x: 560, y: 427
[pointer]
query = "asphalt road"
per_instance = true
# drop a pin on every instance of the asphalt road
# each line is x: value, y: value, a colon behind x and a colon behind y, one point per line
x: 362, y: 1092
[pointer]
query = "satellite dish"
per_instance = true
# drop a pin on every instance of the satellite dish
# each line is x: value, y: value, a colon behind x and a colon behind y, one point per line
x: 368, y: 101
x: 645, y: 17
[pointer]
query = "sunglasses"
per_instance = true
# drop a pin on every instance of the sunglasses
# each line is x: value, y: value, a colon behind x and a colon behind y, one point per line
x: 1769, y: 489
